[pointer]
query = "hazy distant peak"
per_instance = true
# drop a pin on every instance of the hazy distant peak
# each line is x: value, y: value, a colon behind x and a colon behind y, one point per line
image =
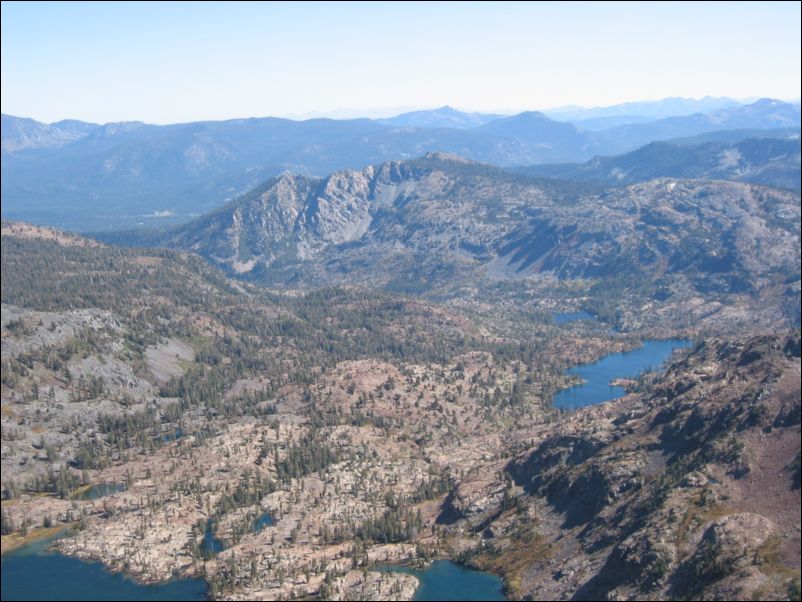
x: 532, y: 114
x: 768, y: 102
x: 672, y: 106
x: 119, y: 127
x: 442, y: 117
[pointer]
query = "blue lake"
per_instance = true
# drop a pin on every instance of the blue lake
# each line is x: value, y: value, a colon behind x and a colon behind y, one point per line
x: 597, y: 376
x: 211, y: 546
x: 444, y: 580
x: 101, y: 490
x: 573, y: 317
x: 174, y: 436
x: 34, y: 573
x: 262, y: 521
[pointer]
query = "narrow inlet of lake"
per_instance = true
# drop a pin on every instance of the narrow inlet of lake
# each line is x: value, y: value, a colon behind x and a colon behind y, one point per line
x: 596, y: 387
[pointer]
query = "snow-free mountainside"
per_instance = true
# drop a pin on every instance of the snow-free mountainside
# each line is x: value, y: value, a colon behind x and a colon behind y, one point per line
x: 270, y: 359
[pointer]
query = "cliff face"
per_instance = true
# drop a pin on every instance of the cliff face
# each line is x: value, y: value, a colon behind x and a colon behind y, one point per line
x: 667, y: 251
x: 459, y: 213
x: 429, y: 207
x: 690, y: 489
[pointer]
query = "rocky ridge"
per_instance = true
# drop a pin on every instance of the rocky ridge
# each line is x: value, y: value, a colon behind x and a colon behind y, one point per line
x: 689, y: 489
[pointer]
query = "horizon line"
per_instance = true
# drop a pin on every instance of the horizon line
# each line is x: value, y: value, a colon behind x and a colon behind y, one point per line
x: 332, y: 113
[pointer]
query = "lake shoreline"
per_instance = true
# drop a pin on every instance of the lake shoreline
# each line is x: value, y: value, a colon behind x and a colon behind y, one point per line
x: 24, y: 561
x: 442, y: 575
x: 15, y: 541
x: 610, y: 376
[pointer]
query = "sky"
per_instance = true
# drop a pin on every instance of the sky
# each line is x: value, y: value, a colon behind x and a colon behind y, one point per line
x: 167, y: 62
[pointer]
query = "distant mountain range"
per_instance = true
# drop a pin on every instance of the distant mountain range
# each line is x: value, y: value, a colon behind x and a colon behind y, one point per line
x: 592, y: 119
x: 651, y: 109
x: 763, y: 114
x: 771, y: 161
x: 85, y: 176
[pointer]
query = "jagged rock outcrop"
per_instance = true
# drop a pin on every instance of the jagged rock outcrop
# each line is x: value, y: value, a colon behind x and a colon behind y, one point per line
x: 358, y: 585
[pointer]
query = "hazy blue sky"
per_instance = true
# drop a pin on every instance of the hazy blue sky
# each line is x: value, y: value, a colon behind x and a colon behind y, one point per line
x: 168, y: 62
